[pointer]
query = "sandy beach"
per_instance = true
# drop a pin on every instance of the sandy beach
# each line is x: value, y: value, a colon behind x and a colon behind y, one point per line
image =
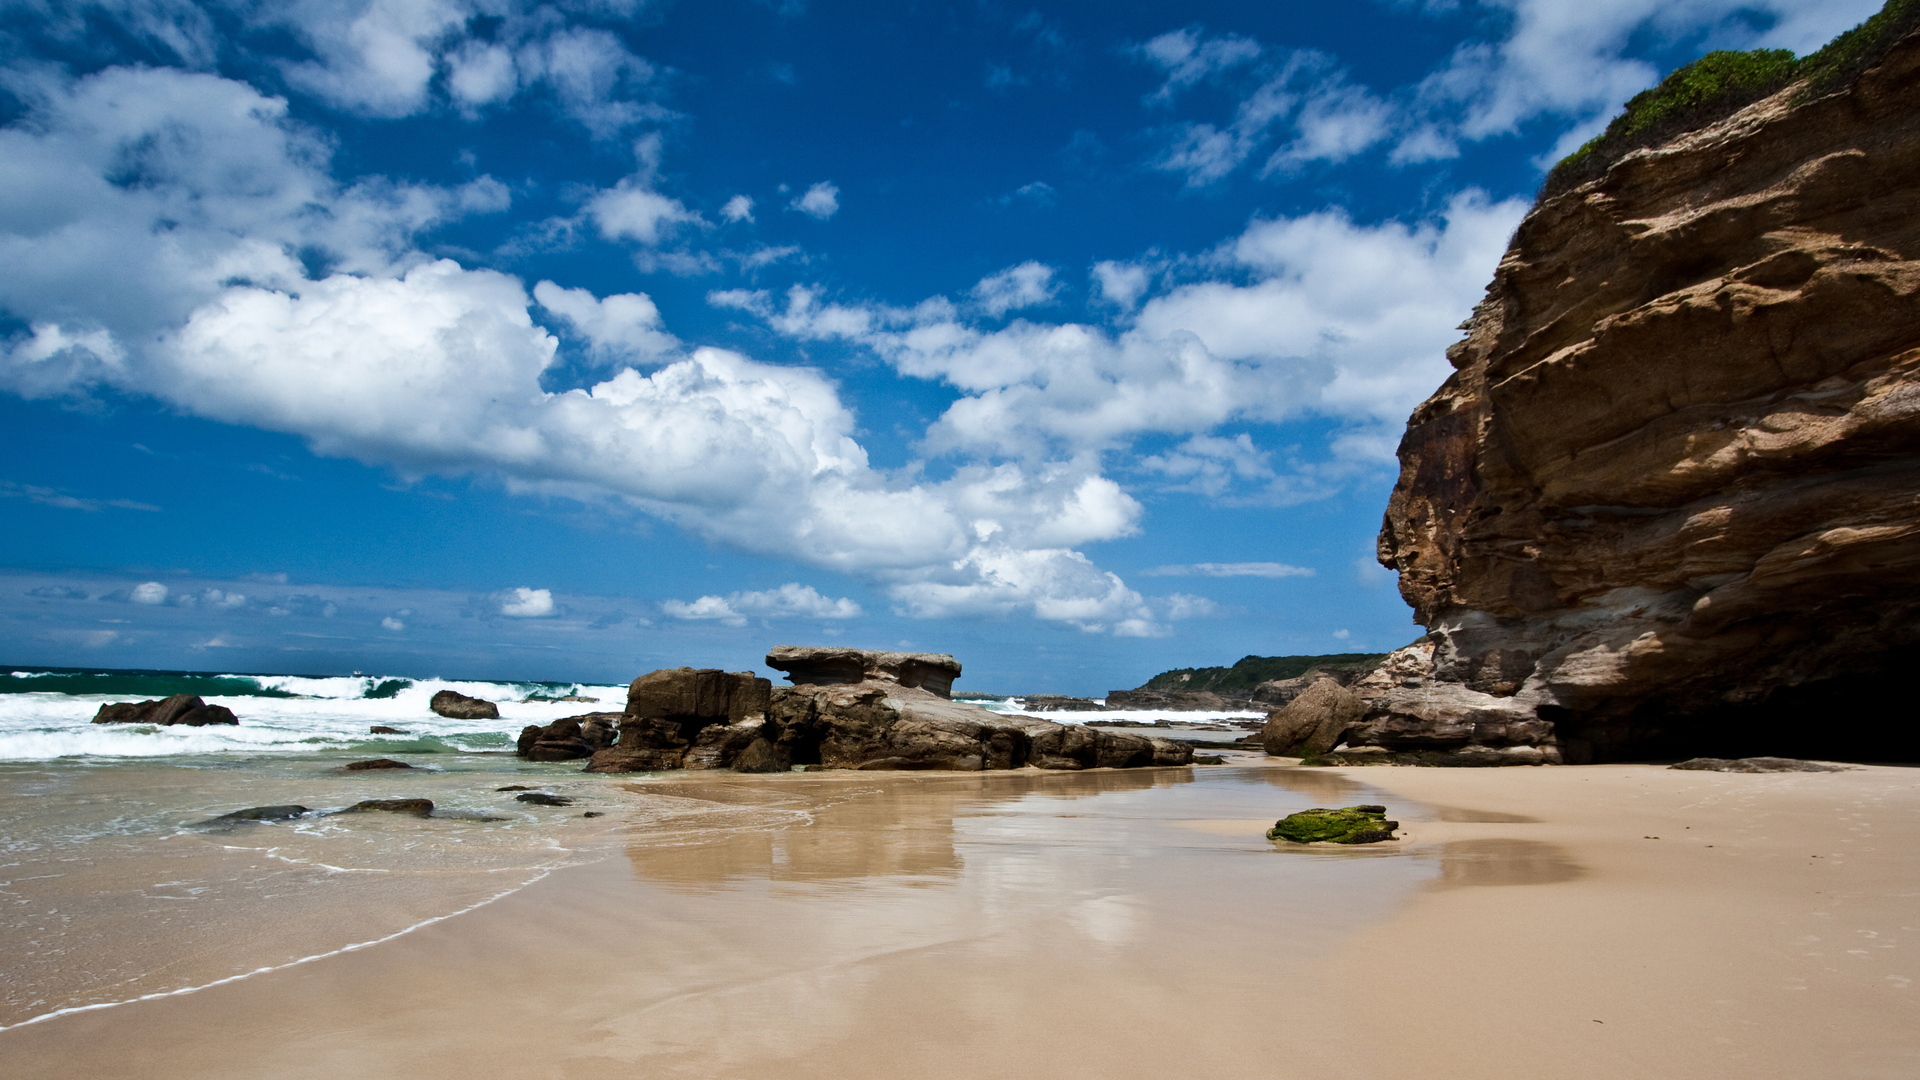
x: 1126, y: 924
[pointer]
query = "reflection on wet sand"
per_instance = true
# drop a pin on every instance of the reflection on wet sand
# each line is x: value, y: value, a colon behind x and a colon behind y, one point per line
x: 1501, y: 861
x: 818, y: 828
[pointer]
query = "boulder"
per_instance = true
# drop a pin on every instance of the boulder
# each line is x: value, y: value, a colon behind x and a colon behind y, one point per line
x: 455, y: 705
x: 831, y: 666
x: 541, y: 798
x: 415, y: 807
x: 184, y: 710
x: 1665, y: 504
x: 376, y: 763
x: 568, y: 738
x: 762, y: 756
x: 264, y: 813
x: 1314, y: 722
x: 1348, y: 825
x: 382, y: 729
x: 669, y: 713
x: 1078, y: 746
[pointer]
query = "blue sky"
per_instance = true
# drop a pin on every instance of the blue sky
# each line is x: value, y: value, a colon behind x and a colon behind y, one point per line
x: 498, y: 339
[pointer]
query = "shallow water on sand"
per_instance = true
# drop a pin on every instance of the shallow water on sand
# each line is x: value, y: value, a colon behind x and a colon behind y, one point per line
x: 111, y: 893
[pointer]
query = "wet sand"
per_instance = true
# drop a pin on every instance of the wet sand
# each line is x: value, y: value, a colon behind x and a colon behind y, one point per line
x: 1654, y: 923
x: 1125, y: 924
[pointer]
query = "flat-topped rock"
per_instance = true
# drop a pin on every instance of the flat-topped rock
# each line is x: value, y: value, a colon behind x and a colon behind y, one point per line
x: 828, y: 665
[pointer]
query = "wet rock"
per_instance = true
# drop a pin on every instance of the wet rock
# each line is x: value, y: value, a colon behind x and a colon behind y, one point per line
x: 670, y: 714
x: 594, y: 813
x: 1756, y: 765
x: 1314, y: 722
x: 541, y: 798
x: 457, y: 706
x: 263, y: 813
x: 415, y: 807
x: 514, y: 787
x: 569, y: 737
x: 1173, y: 700
x: 1081, y: 746
x: 376, y: 763
x: 1363, y: 824
x: 184, y: 710
x: 1058, y: 703
x: 382, y: 729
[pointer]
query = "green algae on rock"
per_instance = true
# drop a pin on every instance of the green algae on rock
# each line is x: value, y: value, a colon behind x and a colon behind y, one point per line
x: 1364, y: 824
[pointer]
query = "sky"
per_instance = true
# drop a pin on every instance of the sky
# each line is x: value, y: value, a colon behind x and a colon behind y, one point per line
x: 502, y: 339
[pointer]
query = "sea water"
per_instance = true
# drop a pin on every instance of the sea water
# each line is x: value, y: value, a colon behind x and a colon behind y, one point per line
x: 119, y: 881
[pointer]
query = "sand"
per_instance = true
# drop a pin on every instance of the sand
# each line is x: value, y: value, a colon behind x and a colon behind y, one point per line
x: 1129, y: 924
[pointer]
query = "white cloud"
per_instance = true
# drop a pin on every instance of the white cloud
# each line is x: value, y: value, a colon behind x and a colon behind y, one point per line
x: 1187, y: 58
x: 792, y: 600
x: 1121, y: 284
x: 820, y: 202
x: 391, y: 623
x: 1238, y: 569
x: 630, y: 210
x: 1186, y: 606
x: 625, y: 327
x: 1343, y: 635
x: 374, y: 57
x: 738, y: 208
x: 1026, y: 285
x: 525, y: 603
x: 148, y: 592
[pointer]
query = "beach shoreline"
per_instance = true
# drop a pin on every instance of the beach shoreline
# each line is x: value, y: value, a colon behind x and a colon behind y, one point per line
x: 1124, y: 923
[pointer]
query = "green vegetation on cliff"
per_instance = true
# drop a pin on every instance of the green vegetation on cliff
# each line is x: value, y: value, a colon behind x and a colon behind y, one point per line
x: 1250, y: 671
x: 1722, y: 83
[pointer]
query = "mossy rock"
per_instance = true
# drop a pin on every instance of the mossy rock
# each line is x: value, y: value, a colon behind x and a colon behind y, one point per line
x: 1347, y: 825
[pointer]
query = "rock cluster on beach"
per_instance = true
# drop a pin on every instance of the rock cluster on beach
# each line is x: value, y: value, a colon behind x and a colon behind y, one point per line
x: 847, y: 709
x: 1365, y: 824
x: 1669, y: 501
x: 180, y: 710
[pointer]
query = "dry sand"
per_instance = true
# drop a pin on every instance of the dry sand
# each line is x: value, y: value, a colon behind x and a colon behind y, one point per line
x: 1130, y: 924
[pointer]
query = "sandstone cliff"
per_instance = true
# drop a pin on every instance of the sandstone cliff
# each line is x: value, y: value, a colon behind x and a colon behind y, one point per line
x: 1669, y: 502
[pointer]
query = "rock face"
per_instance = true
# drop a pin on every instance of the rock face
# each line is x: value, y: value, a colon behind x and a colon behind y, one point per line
x: 670, y: 710
x: 1669, y: 501
x: 455, y: 705
x: 183, y: 710
x: 896, y: 715
x: 569, y: 737
x: 1174, y: 700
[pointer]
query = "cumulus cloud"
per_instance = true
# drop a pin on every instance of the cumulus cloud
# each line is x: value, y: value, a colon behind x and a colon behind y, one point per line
x: 1026, y: 285
x: 391, y: 623
x: 525, y: 603
x: 820, y: 202
x: 624, y: 328
x: 1188, y: 57
x: 631, y: 210
x: 792, y: 600
x: 738, y: 208
x: 148, y: 592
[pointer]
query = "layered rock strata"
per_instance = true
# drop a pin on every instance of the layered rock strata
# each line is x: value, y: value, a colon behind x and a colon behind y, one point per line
x: 891, y: 718
x: 1669, y: 501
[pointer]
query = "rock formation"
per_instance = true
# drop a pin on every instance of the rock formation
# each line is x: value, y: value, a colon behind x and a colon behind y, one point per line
x: 894, y: 715
x: 568, y: 737
x: 455, y: 705
x: 1669, y: 501
x: 1313, y: 722
x: 182, y: 710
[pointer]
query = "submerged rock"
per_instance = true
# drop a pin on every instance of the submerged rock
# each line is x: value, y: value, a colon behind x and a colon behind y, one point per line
x: 416, y: 807
x: 457, y: 706
x: 541, y: 798
x: 382, y: 729
x: 376, y: 763
x: 261, y: 813
x: 1756, y: 765
x: 569, y: 737
x: 183, y: 710
x: 1362, y: 824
